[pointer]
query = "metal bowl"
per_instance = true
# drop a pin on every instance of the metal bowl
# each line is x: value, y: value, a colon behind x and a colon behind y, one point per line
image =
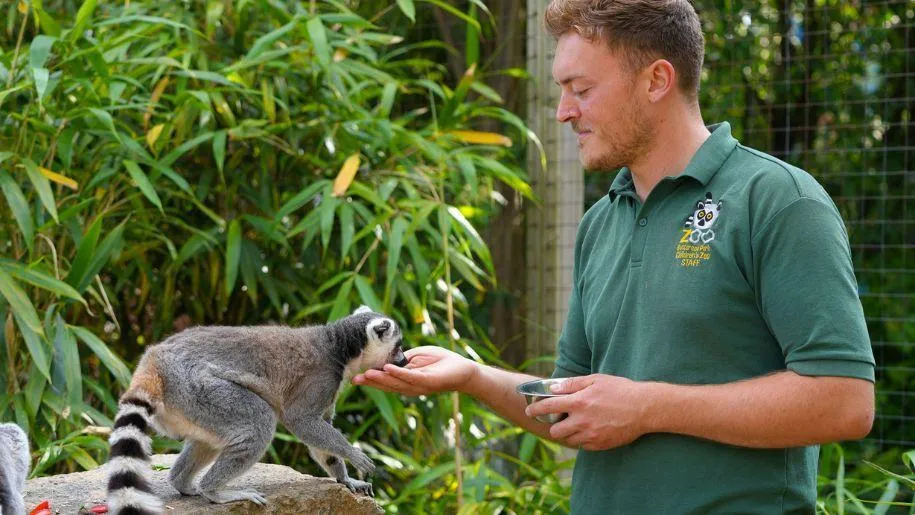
x: 534, y: 391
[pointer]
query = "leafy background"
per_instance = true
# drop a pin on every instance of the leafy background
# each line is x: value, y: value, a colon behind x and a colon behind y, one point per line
x: 165, y: 164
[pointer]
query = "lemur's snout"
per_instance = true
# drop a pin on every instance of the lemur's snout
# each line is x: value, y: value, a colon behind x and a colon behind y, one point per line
x: 398, y: 357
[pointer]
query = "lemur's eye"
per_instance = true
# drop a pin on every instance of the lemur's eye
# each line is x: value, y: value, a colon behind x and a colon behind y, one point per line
x: 700, y: 214
x: 708, y: 216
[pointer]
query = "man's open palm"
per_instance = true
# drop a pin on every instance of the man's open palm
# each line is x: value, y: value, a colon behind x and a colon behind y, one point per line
x: 429, y: 370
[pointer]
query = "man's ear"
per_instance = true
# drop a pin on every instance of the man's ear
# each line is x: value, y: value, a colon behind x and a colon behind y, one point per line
x: 362, y: 309
x: 662, y: 79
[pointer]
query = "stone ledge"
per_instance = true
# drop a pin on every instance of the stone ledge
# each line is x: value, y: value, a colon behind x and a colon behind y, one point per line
x: 287, y: 492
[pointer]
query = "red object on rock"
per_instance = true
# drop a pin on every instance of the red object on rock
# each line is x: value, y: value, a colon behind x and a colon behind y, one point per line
x: 99, y: 508
x: 43, y: 508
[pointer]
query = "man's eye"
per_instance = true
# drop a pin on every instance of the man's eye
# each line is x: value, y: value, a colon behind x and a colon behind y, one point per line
x: 581, y: 92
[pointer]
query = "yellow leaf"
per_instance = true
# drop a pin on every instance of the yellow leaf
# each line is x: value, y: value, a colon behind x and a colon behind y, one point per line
x: 156, y: 94
x: 340, y: 54
x: 23, y: 7
x: 346, y: 175
x: 469, y: 211
x: 153, y: 135
x: 236, y: 78
x: 269, y: 102
x: 58, y: 178
x: 483, y: 138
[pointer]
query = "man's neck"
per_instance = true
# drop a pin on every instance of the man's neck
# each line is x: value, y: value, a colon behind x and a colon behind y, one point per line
x: 676, y: 140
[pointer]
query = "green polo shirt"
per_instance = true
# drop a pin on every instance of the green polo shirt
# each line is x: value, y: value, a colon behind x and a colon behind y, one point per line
x: 735, y: 268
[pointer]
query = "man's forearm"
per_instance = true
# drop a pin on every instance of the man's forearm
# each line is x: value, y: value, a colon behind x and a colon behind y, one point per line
x: 496, y: 388
x: 778, y: 410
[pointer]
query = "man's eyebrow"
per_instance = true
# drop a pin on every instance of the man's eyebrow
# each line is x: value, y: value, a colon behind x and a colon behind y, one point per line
x: 568, y: 79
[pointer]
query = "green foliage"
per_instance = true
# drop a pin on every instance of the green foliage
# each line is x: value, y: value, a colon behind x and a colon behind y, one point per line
x: 870, y: 487
x: 166, y: 164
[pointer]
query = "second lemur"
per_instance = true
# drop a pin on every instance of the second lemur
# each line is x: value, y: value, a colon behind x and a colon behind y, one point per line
x: 223, y: 389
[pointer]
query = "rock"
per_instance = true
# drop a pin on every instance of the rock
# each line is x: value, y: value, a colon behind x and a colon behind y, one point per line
x: 287, y: 492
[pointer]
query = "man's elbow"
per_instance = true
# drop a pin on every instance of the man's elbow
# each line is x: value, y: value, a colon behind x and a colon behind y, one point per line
x: 859, y: 413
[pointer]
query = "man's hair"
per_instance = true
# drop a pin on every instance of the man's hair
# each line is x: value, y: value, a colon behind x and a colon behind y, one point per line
x: 640, y: 30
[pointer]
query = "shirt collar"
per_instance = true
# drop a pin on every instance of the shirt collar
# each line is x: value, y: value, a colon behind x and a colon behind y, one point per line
x: 702, y: 167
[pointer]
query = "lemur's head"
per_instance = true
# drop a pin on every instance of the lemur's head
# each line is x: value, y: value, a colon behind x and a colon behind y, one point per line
x: 705, y: 215
x: 384, y: 340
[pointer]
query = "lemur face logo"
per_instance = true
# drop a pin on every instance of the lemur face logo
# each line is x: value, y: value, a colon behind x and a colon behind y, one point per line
x: 706, y: 214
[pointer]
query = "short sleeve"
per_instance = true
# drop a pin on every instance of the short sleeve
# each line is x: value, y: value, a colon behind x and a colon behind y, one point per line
x: 573, y: 354
x: 808, y: 294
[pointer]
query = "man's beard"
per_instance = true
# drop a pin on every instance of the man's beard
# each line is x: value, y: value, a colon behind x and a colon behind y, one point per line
x: 625, y: 150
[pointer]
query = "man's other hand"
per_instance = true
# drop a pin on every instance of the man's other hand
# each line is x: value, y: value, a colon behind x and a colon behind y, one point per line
x: 604, y: 411
x: 429, y: 370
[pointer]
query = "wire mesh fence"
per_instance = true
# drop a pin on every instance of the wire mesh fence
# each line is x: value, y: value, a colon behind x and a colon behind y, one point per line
x: 828, y: 86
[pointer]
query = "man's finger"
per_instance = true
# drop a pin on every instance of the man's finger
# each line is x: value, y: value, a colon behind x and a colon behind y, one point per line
x: 565, y: 429
x: 573, y: 384
x: 409, y: 353
x: 407, y: 375
x: 575, y: 440
x: 550, y: 405
x: 383, y: 381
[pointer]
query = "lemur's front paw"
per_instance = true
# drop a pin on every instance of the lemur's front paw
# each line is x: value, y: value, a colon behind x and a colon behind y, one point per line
x: 363, y: 463
x: 358, y: 487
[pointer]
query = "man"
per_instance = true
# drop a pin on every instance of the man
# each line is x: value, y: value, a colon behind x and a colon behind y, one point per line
x: 714, y: 328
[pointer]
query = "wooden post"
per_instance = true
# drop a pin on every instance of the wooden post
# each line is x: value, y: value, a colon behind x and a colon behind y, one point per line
x: 559, y: 184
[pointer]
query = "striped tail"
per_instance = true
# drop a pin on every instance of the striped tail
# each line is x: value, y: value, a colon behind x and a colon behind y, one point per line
x: 129, y: 488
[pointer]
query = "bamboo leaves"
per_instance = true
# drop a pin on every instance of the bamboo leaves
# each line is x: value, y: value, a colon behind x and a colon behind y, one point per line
x: 408, y: 8
x: 19, y: 206
x: 111, y: 361
x: 209, y: 165
x: 143, y: 183
x: 27, y: 321
x: 233, y: 254
x: 42, y: 186
x: 82, y: 19
x: 318, y: 37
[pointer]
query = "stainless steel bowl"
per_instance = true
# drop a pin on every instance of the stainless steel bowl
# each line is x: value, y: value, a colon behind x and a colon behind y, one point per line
x: 534, y: 391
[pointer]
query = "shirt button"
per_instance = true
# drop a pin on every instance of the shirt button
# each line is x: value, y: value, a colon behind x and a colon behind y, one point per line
x: 643, y: 222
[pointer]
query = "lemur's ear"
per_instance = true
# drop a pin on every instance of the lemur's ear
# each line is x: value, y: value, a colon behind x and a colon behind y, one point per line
x: 362, y: 309
x: 382, y: 328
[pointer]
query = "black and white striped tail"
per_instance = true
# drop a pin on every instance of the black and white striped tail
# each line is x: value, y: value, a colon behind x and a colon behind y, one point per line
x: 129, y: 489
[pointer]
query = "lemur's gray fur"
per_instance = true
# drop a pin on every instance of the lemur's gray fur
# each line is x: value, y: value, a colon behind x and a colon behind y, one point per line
x: 14, y: 468
x: 222, y: 390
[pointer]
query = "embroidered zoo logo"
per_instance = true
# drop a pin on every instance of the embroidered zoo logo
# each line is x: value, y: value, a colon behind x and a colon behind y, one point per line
x: 693, y: 248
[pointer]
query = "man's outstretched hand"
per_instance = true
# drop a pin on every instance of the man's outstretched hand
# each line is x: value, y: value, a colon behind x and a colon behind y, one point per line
x: 429, y: 370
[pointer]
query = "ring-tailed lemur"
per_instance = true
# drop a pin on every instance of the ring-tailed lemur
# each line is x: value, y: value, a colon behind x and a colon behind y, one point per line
x: 705, y: 215
x: 222, y: 390
x: 14, y: 468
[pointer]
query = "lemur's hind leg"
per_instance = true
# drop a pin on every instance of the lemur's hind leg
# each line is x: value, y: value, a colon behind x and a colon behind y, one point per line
x: 244, y: 422
x: 336, y: 468
x: 195, y: 456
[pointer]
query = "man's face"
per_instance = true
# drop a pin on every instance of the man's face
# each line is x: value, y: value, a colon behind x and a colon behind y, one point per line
x: 601, y: 101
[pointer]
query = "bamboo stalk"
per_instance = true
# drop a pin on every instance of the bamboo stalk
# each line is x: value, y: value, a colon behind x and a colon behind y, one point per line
x: 455, y: 396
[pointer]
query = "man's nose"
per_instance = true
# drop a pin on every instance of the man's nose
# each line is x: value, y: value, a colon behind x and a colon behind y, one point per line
x: 566, y: 110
